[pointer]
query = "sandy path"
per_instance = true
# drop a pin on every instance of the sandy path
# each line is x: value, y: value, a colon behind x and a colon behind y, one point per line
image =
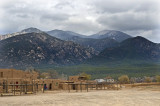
x: 94, y: 98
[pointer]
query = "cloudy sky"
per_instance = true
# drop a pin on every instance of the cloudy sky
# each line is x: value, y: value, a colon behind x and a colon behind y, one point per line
x: 135, y: 17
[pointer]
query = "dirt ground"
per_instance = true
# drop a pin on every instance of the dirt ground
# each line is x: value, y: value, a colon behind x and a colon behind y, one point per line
x: 143, y: 96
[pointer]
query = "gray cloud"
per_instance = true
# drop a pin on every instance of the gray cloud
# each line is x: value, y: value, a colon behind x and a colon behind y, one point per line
x: 55, y: 17
x: 134, y: 17
x: 130, y: 21
x: 61, y: 5
x: 118, y: 6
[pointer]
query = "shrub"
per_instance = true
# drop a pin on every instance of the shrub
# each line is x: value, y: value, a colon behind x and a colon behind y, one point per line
x: 124, y: 79
x: 88, y: 76
x: 158, y: 78
x: 148, y: 79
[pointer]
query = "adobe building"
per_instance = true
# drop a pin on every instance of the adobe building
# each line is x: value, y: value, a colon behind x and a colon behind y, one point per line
x: 19, y: 77
x: 17, y: 74
x: 48, y: 84
x: 77, y: 78
x: 12, y: 76
x: 80, y: 82
x: 12, y: 80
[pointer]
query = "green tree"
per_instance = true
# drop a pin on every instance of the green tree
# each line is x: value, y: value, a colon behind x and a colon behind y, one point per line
x: 87, y: 76
x: 158, y: 78
x: 124, y: 79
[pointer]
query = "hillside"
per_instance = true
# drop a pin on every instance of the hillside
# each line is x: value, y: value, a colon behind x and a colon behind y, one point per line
x: 97, y: 44
x: 133, y: 48
x: 64, y: 35
x: 40, y: 48
x: 24, y: 31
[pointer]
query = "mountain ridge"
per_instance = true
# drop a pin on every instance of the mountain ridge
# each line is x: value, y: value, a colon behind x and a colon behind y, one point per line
x: 97, y: 44
x: 112, y: 34
x: 41, y: 48
x: 133, y: 48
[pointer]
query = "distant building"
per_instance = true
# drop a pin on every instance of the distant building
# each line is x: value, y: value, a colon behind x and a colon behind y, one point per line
x: 110, y: 80
x: 77, y: 78
x: 100, y: 80
x: 18, y: 74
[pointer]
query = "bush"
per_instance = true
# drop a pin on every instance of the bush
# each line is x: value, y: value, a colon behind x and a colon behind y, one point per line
x: 88, y: 76
x: 158, y: 78
x: 124, y: 79
x: 148, y: 79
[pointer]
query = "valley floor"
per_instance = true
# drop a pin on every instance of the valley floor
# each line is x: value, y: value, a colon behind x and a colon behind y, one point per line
x: 125, y: 97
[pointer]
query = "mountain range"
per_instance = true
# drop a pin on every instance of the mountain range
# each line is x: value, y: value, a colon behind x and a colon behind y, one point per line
x: 32, y: 46
x: 99, y: 41
x: 40, y: 48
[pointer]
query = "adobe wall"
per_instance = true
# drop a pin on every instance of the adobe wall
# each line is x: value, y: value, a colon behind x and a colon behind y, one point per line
x: 73, y: 78
x: 12, y: 73
x: 50, y: 84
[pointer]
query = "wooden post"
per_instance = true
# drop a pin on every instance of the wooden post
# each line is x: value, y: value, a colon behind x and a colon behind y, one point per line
x: 101, y: 86
x: 96, y: 86
x: 81, y: 86
x: 26, y: 87
x: 6, y: 86
x: 68, y: 88
x: 21, y: 88
x: 37, y: 87
x: 87, y: 87
x: 76, y: 85
x: 32, y: 85
x: 43, y: 86
x: 117, y: 85
x: 14, y: 88
x: 3, y: 86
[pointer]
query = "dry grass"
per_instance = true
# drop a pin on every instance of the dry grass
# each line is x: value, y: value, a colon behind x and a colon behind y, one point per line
x: 137, y: 96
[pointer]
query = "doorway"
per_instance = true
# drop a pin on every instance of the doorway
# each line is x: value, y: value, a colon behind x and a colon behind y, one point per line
x: 50, y: 86
x: 74, y: 87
